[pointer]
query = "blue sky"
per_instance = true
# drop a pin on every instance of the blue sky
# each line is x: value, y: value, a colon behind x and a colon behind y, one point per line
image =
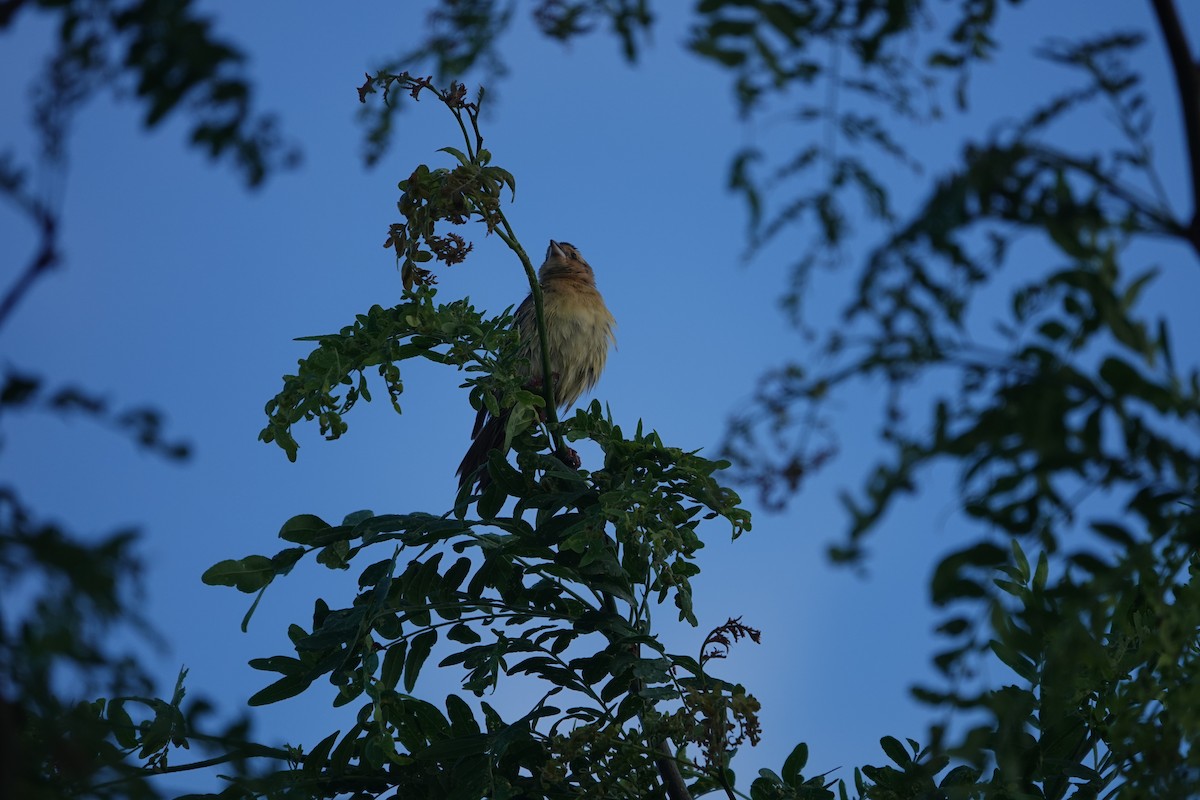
x: 182, y: 291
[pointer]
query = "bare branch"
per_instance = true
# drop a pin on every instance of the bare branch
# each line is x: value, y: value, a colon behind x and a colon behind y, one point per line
x: 46, y: 258
x: 672, y: 779
x: 1188, y: 84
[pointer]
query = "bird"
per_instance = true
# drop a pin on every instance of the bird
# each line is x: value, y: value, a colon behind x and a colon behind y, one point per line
x: 579, y: 332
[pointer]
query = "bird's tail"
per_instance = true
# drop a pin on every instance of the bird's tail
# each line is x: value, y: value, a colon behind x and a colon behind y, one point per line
x: 487, y: 436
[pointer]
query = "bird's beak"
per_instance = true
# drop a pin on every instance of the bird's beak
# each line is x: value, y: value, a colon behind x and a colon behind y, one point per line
x: 555, y: 250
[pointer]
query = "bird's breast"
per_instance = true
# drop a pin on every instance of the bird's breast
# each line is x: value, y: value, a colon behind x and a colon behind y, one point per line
x: 579, y: 329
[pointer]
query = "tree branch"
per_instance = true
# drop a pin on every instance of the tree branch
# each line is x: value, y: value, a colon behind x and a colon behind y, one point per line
x: 8, y: 11
x: 669, y: 771
x: 46, y: 258
x: 1188, y: 84
x: 248, y: 751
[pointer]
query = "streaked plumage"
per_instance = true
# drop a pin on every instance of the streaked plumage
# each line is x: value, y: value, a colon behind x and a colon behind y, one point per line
x: 579, y: 330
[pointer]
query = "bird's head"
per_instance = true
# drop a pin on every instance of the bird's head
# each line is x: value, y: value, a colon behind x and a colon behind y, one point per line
x: 563, y: 260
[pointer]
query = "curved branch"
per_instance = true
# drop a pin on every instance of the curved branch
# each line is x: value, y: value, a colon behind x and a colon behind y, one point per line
x: 46, y: 258
x: 1188, y: 84
x: 248, y: 750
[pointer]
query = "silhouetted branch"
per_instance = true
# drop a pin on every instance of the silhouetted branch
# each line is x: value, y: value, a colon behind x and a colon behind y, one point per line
x: 672, y: 779
x: 45, y: 259
x: 1188, y: 85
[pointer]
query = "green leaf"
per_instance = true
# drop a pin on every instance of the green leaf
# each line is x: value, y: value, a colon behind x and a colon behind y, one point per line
x: 340, y: 758
x: 157, y: 734
x: 455, y: 575
x: 1022, y: 563
x: 285, y: 665
x: 462, y: 720
x: 1018, y: 662
x: 253, y: 607
x: 393, y: 664
x: 1041, y: 572
x: 373, y: 574
x: 338, y: 628
x: 318, y: 757
x: 418, y: 651
x: 285, y: 559
x: 282, y: 689
x: 335, y: 556
x: 121, y: 724
x: 303, y: 528
x: 248, y: 574
x: 357, y: 517
x: 895, y: 751
x: 793, y: 765
x: 504, y: 477
x: 463, y: 633
x: 422, y: 580
x: 460, y: 155
x: 369, y: 529
x: 492, y: 500
x: 960, y: 776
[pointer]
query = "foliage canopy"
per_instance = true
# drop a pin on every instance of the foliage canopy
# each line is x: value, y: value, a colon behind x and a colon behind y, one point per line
x: 1072, y: 427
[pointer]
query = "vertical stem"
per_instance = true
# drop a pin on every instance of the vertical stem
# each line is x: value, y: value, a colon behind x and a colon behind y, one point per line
x: 535, y: 289
x: 509, y: 237
x: 458, y: 112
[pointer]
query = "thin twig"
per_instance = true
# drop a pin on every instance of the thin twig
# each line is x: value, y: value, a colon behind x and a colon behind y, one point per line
x: 252, y: 751
x: 1186, y: 81
x: 509, y: 237
x: 44, y: 260
x: 471, y: 154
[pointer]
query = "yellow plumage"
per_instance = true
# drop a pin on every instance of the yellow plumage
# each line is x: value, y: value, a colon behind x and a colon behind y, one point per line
x: 579, y: 331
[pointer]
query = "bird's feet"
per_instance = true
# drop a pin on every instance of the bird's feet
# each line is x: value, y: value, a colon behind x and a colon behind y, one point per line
x: 536, y: 383
x: 568, y: 456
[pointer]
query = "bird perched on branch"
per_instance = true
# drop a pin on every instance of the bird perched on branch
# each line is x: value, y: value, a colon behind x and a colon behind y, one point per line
x: 579, y: 330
